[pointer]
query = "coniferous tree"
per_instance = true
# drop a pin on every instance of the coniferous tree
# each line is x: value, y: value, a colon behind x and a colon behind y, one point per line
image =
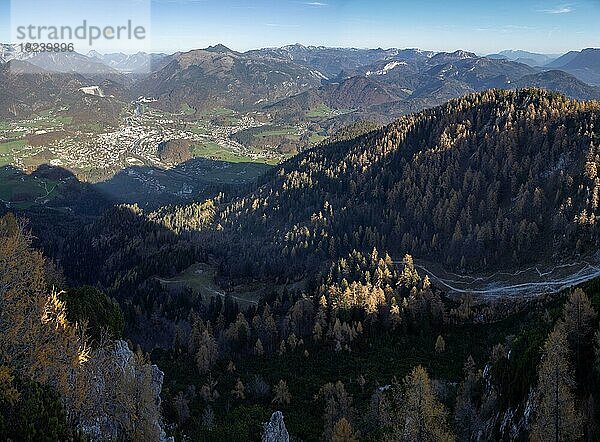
x: 282, y: 394
x: 556, y: 418
x: 208, y: 418
x: 343, y: 432
x: 467, y: 417
x: 208, y: 351
x: 239, y: 390
x: 338, y: 405
x: 440, y: 344
x: 422, y: 417
x: 579, y: 316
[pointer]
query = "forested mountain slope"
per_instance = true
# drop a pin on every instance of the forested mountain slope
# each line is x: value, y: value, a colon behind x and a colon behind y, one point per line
x: 493, y: 179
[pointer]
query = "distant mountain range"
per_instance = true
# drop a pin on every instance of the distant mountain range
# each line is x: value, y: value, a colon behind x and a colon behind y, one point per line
x: 139, y: 63
x: 27, y: 89
x: 372, y: 84
x: 21, y: 94
x: 375, y: 84
x: 529, y: 58
x: 333, y: 61
x: 584, y: 64
x: 413, y: 80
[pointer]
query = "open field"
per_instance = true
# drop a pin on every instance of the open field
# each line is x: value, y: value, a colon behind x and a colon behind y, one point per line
x: 214, y: 151
x: 200, y: 277
x: 22, y: 191
x: 10, y: 145
x: 6, y: 151
x: 198, y: 129
x: 316, y: 138
x: 187, y: 110
x: 47, y: 120
x: 324, y: 111
x: 320, y: 111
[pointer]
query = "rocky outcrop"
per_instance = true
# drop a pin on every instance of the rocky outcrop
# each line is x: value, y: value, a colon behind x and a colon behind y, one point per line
x: 122, y: 385
x: 511, y: 423
x: 92, y: 90
x: 274, y: 430
x: 514, y: 423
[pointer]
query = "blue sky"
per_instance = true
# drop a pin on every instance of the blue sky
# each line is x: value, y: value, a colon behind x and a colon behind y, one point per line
x: 481, y: 26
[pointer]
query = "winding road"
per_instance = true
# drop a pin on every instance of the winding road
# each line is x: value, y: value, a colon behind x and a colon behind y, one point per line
x: 528, y: 282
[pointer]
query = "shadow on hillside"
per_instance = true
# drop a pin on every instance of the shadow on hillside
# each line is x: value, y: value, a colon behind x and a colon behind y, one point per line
x: 97, y: 243
x: 53, y: 187
x: 49, y: 187
x: 199, y: 178
x: 57, y: 204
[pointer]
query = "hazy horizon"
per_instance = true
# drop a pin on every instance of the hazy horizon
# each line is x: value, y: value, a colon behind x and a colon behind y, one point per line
x: 542, y: 27
x: 482, y: 54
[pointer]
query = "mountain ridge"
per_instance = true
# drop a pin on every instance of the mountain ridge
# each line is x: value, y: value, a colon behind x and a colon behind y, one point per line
x: 374, y: 191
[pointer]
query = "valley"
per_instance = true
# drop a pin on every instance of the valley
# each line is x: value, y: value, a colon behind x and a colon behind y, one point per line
x: 125, y: 159
x: 330, y: 236
x: 182, y: 129
x: 94, y: 153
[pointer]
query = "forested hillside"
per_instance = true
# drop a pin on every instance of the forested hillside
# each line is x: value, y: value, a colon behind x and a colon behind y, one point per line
x: 492, y: 180
x: 346, y: 337
x: 489, y: 180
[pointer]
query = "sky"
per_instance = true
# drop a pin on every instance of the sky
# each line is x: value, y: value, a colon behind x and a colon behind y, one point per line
x: 482, y: 26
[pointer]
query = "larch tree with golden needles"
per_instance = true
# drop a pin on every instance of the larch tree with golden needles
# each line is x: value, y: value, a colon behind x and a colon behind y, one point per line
x: 107, y: 385
x: 556, y: 418
x: 338, y: 405
x: 422, y: 417
x: 208, y: 351
x: 343, y: 432
x: 36, y: 339
x: 440, y: 344
x: 579, y: 317
x: 281, y: 393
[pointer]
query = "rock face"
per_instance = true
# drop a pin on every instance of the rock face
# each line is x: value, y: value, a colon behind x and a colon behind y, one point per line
x: 511, y: 423
x: 121, y: 386
x: 274, y: 430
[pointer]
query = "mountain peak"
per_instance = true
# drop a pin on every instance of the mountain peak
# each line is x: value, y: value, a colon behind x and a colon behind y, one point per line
x: 295, y: 46
x: 218, y: 48
x: 464, y: 54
